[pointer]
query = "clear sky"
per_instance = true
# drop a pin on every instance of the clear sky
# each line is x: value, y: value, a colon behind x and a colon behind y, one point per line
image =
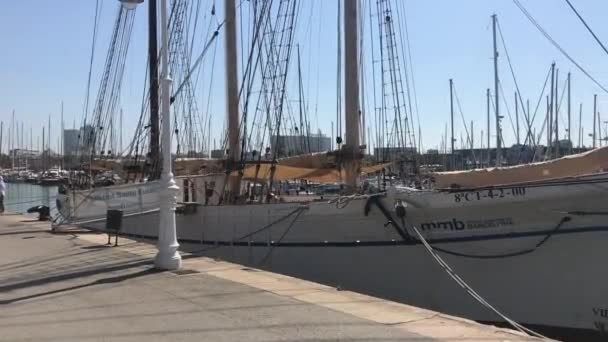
x: 46, y: 47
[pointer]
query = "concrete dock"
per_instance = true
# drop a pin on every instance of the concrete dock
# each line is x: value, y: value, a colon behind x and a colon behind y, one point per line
x: 70, y: 286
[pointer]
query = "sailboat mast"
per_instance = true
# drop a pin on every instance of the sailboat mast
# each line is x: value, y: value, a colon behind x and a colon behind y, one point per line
x: 472, y: 138
x: 154, y: 107
x: 301, y: 128
x: 517, y: 119
x: 61, y: 152
x: 529, y: 129
x: 49, y: 140
x: 351, y: 90
x: 580, y: 130
x: 488, y: 128
x: 232, y: 92
x: 10, y: 138
x: 551, y: 105
x: 599, y: 129
x: 43, y: 148
x: 569, y: 122
x: 556, y: 154
x: 453, y: 161
x: 120, y: 136
x: 594, y: 117
x: 496, y: 100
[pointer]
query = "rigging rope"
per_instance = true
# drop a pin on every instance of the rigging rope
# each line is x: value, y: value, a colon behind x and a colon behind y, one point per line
x: 587, y: 26
x: 552, y: 41
x: 523, y: 108
x: 468, y: 288
x: 469, y: 138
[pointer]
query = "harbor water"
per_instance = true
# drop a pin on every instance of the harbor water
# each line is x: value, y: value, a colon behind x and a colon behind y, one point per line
x: 22, y: 196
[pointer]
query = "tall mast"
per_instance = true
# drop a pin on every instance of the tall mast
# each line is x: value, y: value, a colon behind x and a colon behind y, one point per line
x: 301, y: 128
x: 1, y: 141
x: 331, y: 143
x: 10, y: 137
x: 488, y: 128
x: 472, y: 137
x: 120, y: 136
x: 232, y: 92
x: 556, y: 154
x: 580, y: 131
x: 49, y: 139
x: 209, y: 139
x: 517, y: 119
x: 351, y: 90
x: 452, y: 159
x: 25, y: 154
x: 599, y: 129
x: 529, y: 129
x: 445, y: 146
x: 43, y: 148
x: 569, y: 122
x: 496, y: 100
x: 61, y: 150
x: 551, y: 106
x: 153, y: 68
x: 112, y: 133
x: 594, y: 117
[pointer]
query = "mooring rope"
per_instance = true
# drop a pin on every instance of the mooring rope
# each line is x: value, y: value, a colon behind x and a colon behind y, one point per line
x: 468, y: 288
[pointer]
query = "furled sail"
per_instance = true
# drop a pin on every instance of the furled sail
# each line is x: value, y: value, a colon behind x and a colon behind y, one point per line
x: 569, y: 166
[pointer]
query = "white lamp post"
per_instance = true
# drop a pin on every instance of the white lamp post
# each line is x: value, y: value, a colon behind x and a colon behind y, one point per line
x: 130, y: 4
x: 168, y: 257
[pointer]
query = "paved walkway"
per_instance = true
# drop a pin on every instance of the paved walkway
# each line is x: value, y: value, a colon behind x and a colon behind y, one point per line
x: 71, y: 287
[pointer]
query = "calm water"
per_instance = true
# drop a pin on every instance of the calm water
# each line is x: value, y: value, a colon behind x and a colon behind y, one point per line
x: 22, y: 196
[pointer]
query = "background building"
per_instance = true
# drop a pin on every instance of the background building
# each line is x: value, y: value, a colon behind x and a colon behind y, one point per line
x: 392, y: 153
x: 70, y: 141
x: 293, y: 145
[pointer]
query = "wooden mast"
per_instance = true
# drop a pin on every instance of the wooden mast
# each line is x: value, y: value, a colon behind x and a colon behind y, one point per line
x: 154, y: 104
x: 232, y: 92
x: 351, y: 92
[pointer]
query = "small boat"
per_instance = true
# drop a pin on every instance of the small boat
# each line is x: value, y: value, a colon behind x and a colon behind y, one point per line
x: 50, y: 178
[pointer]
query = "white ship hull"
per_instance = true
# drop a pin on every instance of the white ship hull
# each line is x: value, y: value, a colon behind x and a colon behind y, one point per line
x: 536, y: 255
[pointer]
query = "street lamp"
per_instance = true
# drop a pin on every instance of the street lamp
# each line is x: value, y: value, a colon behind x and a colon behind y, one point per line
x: 168, y: 257
x: 130, y: 4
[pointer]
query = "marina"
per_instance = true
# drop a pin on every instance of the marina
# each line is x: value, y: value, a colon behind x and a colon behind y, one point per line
x: 290, y: 140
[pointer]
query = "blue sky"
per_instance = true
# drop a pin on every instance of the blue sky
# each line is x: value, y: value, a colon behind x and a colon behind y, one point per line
x: 46, y: 48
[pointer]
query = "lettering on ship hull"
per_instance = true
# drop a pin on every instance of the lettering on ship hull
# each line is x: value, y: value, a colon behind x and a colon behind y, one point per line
x: 601, y: 313
x: 455, y: 224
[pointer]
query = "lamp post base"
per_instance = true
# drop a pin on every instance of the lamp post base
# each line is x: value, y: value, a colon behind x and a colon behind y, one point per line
x: 168, y: 261
x: 168, y: 257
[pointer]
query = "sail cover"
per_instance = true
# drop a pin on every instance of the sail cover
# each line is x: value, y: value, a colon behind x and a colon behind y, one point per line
x: 569, y: 166
x: 285, y: 172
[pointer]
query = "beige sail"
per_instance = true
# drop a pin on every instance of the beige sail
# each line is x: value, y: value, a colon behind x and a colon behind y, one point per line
x: 569, y: 166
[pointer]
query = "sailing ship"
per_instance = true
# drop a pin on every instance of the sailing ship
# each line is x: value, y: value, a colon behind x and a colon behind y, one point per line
x: 526, y: 238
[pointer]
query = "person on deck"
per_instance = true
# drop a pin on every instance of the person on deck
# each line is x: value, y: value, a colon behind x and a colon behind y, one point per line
x: 2, y: 193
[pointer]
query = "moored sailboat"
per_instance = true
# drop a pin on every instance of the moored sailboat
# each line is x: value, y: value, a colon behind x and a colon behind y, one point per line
x: 526, y: 246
